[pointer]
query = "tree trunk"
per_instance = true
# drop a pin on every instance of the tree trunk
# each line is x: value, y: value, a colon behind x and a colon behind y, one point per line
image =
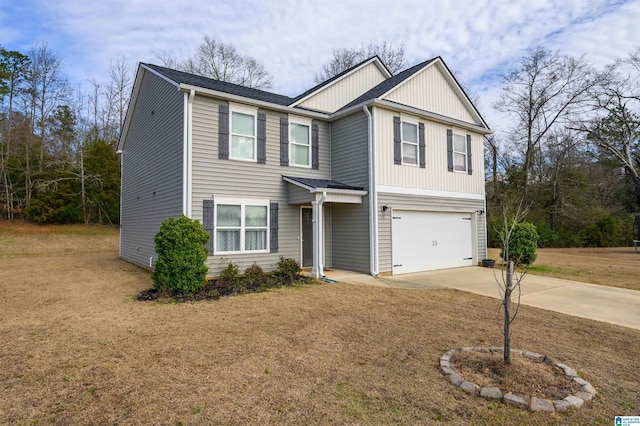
x: 84, y: 195
x: 507, y: 313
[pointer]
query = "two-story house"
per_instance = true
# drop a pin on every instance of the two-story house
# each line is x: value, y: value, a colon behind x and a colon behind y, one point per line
x: 367, y: 171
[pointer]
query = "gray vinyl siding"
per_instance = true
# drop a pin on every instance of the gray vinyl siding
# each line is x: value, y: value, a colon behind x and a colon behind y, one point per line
x: 299, y: 195
x: 350, y: 150
x: 350, y: 165
x: 151, y: 167
x: 409, y: 202
x: 213, y: 177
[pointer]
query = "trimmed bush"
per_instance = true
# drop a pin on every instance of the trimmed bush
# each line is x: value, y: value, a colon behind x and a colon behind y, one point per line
x: 287, y: 268
x: 181, y: 255
x: 522, y: 244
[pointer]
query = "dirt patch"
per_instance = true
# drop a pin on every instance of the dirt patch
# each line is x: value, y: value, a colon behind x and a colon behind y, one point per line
x: 524, y: 376
x: 615, y: 267
x: 81, y: 350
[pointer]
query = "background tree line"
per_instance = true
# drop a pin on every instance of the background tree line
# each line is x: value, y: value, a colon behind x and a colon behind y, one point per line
x: 572, y: 152
x: 57, y: 143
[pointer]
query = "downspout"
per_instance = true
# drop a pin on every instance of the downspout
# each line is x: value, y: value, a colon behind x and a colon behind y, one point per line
x: 373, y: 198
x: 189, y: 171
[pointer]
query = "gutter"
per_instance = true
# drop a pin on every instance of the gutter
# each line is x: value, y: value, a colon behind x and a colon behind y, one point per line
x: 250, y: 101
x: 373, y: 198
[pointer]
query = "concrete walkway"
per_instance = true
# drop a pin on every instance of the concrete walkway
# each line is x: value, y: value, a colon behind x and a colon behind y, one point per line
x: 601, y: 303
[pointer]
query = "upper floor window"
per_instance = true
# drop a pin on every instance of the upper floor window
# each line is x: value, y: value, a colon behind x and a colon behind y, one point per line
x: 243, y: 132
x: 299, y: 141
x: 459, y: 153
x: 409, y: 143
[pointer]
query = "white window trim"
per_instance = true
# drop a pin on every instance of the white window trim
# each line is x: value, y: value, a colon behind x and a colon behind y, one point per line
x: 402, y: 141
x: 249, y: 110
x: 304, y: 121
x: 242, y: 202
x: 454, y: 152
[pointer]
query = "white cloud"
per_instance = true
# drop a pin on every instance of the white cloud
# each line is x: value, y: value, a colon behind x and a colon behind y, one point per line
x: 478, y: 39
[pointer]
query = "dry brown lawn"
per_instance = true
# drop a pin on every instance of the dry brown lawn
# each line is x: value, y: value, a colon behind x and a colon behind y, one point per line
x: 615, y: 267
x: 77, y: 349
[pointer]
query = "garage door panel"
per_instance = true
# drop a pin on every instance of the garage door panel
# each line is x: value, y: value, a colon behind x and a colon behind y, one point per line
x: 423, y: 241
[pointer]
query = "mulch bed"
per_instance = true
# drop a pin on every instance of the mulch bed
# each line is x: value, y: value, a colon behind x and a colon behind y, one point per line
x: 524, y: 376
x: 214, y: 289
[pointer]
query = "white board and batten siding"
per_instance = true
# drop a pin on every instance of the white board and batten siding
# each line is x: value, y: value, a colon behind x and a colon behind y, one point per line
x: 345, y: 90
x: 151, y: 168
x: 213, y: 177
x: 443, y: 98
x: 435, y: 176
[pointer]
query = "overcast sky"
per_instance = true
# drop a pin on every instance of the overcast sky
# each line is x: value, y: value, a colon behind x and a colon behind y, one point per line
x: 478, y: 39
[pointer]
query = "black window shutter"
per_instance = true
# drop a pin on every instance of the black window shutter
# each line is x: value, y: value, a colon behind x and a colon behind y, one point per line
x: 262, y: 139
x: 273, y: 227
x: 284, y: 141
x: 469, y: 169
x: 421, y: 144
x: 315, y: 148
x: 223, y: 132
x: 450, y: 150
x: 207, y: 222
x: 397, y: 141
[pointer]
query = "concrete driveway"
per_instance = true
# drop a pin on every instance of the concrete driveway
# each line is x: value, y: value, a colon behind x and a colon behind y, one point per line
x: 601, y: 303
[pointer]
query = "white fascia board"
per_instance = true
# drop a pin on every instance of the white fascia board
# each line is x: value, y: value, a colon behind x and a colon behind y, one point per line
x: 452, y: 81
x: 327, y: 190
x: 375, y: 60
x: 432, y: 116
x: 411, y: 110
x: 254, y: 102
x: 336, y: 191
x: 429, y: 192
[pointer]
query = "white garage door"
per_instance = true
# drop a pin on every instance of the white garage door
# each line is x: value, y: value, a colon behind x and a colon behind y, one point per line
x: 423, y: 241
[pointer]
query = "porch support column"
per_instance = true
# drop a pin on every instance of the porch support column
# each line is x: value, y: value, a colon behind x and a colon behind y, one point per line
x: 317, y: 271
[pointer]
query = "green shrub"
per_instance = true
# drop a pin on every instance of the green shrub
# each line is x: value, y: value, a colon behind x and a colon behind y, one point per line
x: 287, y: 268
x: 230, y: 273
x: 522, y: 244
x: 255, y: 272
x: 181, y: 255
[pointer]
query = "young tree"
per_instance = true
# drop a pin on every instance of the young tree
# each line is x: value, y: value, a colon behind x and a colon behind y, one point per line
x: 544, y: 92
x: 519, y: 243
x: 343, y: 59
x: 222, y: 61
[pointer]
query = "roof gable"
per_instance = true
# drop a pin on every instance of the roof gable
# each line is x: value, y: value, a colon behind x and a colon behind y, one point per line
x: 446, y: 96
x: 348, y: 84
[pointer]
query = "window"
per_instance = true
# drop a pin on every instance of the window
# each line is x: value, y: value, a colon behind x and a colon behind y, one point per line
x: 459, y: 153
x: 243, y: 133
x: 299, y: 141
x: 409, y: 143
x: 241, y: 226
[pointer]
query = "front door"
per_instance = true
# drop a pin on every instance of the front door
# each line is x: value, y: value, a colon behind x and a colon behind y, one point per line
x: 307, y: 236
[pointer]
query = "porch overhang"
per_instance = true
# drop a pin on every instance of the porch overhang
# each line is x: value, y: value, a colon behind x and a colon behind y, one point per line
x: 305, y: 190
x: 317, y: 192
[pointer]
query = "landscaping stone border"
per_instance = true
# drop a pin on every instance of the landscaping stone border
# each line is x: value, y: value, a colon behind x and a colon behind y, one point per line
x: 577, y: 400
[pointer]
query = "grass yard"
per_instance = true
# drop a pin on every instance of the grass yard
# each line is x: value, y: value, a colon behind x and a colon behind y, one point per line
x: 77, y: 348
x: 615, y: 267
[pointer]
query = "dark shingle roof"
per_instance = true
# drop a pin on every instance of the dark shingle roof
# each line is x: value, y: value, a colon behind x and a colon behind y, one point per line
x: 323, y: 183
x: 221, y: 86
x: 388, y: 84
x: 337, y: 76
